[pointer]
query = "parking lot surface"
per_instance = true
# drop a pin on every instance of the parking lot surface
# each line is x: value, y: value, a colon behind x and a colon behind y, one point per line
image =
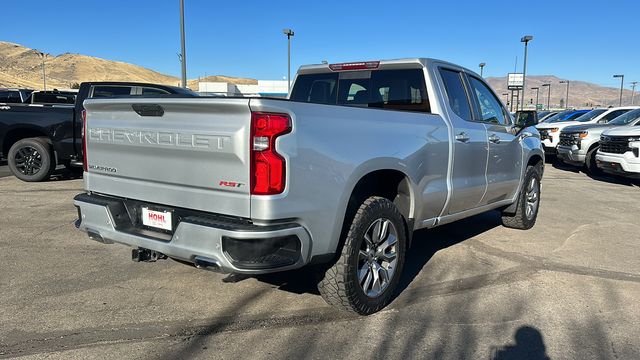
x: 567, y: 289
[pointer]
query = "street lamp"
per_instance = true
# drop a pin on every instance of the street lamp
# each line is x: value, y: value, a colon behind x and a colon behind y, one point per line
x: 566, y: 100
x: 289, y: 34
x: 548, y: 96
x: 621, y: 85
x: 481, y: 68
x: 525, y: 39
x: 183, y: 53
x: 633, y: 90
x: 44, y: 75
x: 537, y: 89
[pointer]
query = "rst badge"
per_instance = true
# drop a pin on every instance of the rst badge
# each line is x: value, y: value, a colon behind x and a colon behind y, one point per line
x: 232, y: 184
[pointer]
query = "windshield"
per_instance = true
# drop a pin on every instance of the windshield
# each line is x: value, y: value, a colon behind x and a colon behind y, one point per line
x: 559, y: 116
x: 590, y: 115
x: 626, y: 118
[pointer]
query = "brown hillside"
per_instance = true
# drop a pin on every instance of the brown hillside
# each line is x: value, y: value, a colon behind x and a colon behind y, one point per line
x: 580, y: 93
x: 22, y: 67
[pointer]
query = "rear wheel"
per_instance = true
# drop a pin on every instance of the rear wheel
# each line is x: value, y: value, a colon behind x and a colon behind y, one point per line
x: 365, y: 277
x: 528, y: 202
x: 31, y: 159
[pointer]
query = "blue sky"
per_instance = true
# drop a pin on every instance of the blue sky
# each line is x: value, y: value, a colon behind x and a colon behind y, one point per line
x: 579, y: 40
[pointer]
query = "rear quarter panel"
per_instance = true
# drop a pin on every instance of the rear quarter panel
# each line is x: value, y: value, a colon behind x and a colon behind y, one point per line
x: 332, y: 147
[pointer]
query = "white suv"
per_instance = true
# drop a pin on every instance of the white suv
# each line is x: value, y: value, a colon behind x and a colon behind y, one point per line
x: 619, y: 151
x: 550, y: 130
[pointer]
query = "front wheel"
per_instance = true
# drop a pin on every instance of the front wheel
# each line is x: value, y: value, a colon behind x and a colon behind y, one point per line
x: 528, y: 202
x: 365, y: 277
x: 590, y: 162
x: 31, y: 159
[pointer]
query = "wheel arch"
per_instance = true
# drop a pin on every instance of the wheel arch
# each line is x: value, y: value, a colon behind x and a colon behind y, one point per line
x: 16, y: 134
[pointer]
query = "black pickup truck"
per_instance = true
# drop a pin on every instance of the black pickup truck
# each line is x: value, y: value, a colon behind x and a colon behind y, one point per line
x: 35, y: 138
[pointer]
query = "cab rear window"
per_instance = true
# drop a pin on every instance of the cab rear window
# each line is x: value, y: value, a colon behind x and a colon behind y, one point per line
x: 383, y: 89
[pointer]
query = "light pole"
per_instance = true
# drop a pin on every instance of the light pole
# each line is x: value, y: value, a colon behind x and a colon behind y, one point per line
x: 566, y: 99
x: 481, y: 68
x: 621, y: 85
x: 44, y: 75
x: 289, y: 34
x: 537, y: 89
x: 525, y: 39
x: 183, y: 53
x: 633, y: 90
x: 548, y: 96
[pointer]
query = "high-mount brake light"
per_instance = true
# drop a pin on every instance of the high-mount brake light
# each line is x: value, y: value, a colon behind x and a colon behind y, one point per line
x: 364, y: 65
x: 84, y: 140
x: 268, y: 168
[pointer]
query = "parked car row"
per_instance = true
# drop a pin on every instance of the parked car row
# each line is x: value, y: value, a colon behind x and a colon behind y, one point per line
x: 599, y: 140
x: 28, y: 96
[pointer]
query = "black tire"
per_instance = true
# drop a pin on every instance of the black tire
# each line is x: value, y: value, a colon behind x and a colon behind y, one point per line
x: 340, y: 285
x: 590, y: 162
x: 522, y: 219
x: 31, y: 159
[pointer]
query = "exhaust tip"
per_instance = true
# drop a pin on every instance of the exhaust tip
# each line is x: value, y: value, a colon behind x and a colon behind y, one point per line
x: 206, y: 263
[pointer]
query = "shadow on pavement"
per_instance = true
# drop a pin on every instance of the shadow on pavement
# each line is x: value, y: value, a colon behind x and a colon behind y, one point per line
x: 66, y: 174
x: 425, y: 244
x: 529, y: 345
x: 604, y: 177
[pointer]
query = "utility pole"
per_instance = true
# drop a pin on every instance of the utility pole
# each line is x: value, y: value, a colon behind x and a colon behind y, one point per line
x: 183, y: 53
x: 633, y: 90
x: 548, y: 96
x: 44, y: 75
x: 289, y: 34
x: 525, y: 39
x: 537, y: 89
x: 621, y: 76
x: 566, y: 99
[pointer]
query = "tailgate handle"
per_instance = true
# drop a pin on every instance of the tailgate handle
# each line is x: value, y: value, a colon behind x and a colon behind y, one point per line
x: 148, y: 109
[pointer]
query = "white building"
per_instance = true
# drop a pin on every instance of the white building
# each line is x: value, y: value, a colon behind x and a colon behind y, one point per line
x: 275, y: 88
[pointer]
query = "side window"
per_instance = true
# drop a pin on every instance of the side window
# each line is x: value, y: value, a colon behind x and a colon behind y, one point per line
x: 491, y: 110
x: 458, y: 99
x: 110, y: 91
x: 315, y: 88
x: 153, y: 91
x: 612, y: 115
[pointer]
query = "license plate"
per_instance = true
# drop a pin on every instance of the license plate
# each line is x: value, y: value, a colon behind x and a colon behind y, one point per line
x: 157, y: 219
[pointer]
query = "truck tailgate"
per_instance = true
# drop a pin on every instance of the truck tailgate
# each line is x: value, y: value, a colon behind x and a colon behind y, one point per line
x: 180, y: 152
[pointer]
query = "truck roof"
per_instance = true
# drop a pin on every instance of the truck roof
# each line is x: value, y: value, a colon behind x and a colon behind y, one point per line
x: 383, y: 64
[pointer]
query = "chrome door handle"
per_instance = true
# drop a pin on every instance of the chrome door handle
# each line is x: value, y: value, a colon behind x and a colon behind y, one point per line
x: 462, y: 137
x: 525, y: 134
x: 494, y: 138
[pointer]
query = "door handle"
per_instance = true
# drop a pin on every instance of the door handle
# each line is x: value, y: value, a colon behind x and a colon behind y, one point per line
x: 462, y: 137
x: 494, y: 138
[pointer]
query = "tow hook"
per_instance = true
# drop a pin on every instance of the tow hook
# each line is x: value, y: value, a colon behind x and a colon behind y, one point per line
x: 146, y: 255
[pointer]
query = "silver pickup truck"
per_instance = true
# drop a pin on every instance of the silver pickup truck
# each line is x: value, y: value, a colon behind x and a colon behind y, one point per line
x: 338, y: 176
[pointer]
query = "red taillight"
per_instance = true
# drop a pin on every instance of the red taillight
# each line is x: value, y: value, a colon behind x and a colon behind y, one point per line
x: 364, y: 65
x: 84, y: 140
x: 268, y: 168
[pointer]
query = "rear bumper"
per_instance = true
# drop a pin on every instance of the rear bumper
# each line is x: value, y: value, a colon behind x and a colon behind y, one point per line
x: 619, y: 164
x: 229, y: 245
x: 571, y: 155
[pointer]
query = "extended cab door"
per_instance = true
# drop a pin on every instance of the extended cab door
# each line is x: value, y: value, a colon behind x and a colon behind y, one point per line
x: 504, y: 165
x: 469, y: 145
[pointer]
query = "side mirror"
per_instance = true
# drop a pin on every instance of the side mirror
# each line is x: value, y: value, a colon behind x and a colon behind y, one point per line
x: 526, y: 118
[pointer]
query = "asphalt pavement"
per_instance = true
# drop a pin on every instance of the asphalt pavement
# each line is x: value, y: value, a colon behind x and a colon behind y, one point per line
x: 4, y: 169
x: 567, y: 289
